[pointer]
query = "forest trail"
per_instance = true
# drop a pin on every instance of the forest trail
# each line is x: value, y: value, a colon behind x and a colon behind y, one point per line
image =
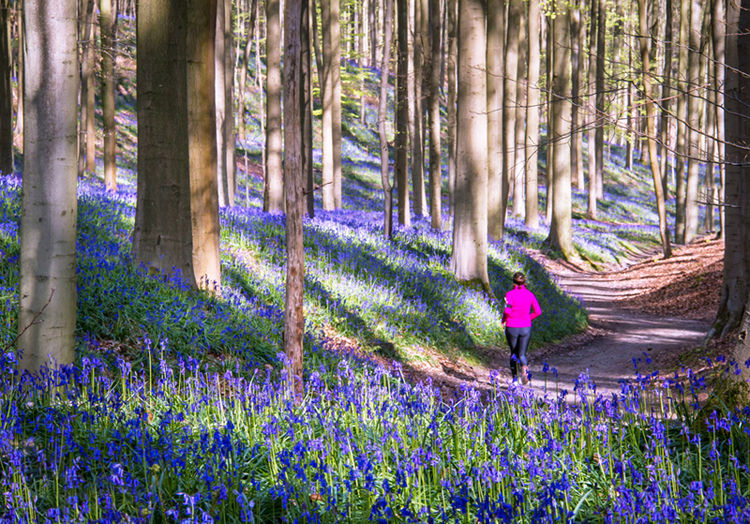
x: 622, y: 337
x: 650, y: 313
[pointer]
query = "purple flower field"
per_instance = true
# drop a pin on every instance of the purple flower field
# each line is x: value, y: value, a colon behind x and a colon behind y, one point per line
x: 176, y: 410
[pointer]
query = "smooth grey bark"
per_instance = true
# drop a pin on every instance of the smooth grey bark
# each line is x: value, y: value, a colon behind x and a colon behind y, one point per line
x: 593, y: 117
x: 436, y: 179
x: 108, y: 29
x: 497, y: 187
x: 307, y: 115
x: 532, y: 115
x: 329, y: 72
x: 6, y: 91
x: 645, y: 49
x: 576, y: 142
x: 295, y: 85
x: 561, y: 229
x: 666, y: 94
x: 601, y: 26
x: 452, y: 52
x: 718, y: 33
x: 87, y: 155
x: 681, y: 148
x: 695, y: 96
x: 419, y: 195
x: 469, y: 253
x: 733, y: 309
x: 402, y: 114
x: 273, y: 191
x: 47, y: 290
x: 519, y: 173
x: 224, y: 64
x: 385, y: 176
x: 245, y: 68
x: 18, y: 127
x: 331, y: 92
x: 177, y: 211
x: 510, y: 79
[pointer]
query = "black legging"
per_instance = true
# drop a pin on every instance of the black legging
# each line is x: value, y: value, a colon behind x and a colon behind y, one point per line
x: 518, y: 341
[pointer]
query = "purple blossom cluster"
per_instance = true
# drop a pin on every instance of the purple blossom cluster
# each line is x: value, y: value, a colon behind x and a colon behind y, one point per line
x: 107, y: 440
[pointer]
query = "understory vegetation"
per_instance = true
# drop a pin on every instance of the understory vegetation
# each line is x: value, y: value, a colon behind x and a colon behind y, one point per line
x: 178, y: 409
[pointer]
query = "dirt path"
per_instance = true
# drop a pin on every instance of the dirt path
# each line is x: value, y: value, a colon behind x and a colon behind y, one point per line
x: 652, y: 311
x: 622, y: 337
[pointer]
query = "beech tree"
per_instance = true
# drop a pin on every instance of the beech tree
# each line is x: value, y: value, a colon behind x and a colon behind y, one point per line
x: 402, y: 115
x: 330, y: 86
x: 385, y: 176
x: 47, y: 292
x: 451, y: 63
x: 6, y: 91
x: 645, y: 48
x: 87, y: 155
x: 497, y: 184
x: 469, y: 253
x: 436, y: 207
x: 734, y: 309
x: 273, y: 189
x: 224, y: 78
x: 295, y: 12
x: 108, y: 25
x: 177, y: 210
x: 532, y: 115
x: 561, y: 234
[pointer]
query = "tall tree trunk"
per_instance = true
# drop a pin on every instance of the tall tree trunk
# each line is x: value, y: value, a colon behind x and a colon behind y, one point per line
x: 6, y: 91
x: 87, y: 158
x: 372, y: 27
x: 645, y: 44
x: 434, y: 105
x: 496, y: 185
x: 666, y: 102
x: 561, y: 232
x: 695, y: 99
x: 551, y: 144
x: 225, y: 158
x: 452, y: 16
x: 402, y: 114
x: 682, y: 130
x: 601, y: 26
x: 469, y: 255
x: 307, y: 115
x: 295, y: 85
x: 576, y: 142
x: 510, y: 79
x: 273, y: 191
x: 710, y: 183
x: 718, y: 33
x: 532, y: 116
x: 519, y: 173
x: 733, y: 308
x: 177, y: 211
x: 333, y: 31
x: 331, y: 94
x: 382, y: 115
x: 108, y: 27
x: 244, y: 69
x: 415, y: 115
x: 593, y: 116
x: 47, y: 291
x: 204, y: 196
x: 18, y: 129
x: 631, y: 117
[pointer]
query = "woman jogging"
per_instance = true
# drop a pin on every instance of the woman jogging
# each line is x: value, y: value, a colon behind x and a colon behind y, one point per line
x: 521, y: 307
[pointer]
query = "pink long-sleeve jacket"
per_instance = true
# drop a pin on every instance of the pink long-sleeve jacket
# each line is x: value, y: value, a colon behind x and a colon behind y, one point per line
x: 522, y: 307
